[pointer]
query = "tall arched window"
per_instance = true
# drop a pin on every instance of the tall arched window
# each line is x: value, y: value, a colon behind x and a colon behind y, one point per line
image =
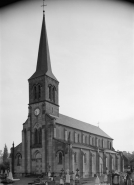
x: 90, y: 140
x: 103, y: 143
x: 75, y: 137
x: 93, y: 141
x: 78, y: 138
x: 35, y: 136
x: 107, y: 144
x: 39, y: 91
x: 19, y: 158
x: 98, y: 142
x: 66, y: 135
x: 85, y: 139
x: 106, y: 163
x: 40, y: 135
x: 50, y: 92
x: 60, y: 157
x: 85, y: 158
x: 53, y: 93
x: 35, y: 92
x: 110, y: 146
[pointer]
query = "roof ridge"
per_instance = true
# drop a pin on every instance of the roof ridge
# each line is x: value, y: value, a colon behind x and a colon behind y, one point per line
x: 79, y: 120
x: 80, y: 125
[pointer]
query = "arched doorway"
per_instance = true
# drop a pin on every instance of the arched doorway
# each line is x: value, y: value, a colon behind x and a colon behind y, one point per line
x: 18, y: 163
x: 38, y: 165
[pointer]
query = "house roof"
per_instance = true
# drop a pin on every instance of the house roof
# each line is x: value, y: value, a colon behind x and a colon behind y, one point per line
x: 80, y: 125
x: 132, y: 160
x: 125, y: 157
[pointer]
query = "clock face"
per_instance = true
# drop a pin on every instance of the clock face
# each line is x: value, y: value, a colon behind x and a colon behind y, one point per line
x: 37, y: 111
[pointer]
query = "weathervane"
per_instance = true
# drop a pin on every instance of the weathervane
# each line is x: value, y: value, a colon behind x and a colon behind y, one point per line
x: 43, y: 6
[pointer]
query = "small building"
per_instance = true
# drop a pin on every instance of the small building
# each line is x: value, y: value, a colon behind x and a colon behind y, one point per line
x: 126, y: 162
x: 132, y: 164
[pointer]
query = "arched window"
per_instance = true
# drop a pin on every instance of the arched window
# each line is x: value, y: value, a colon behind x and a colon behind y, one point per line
x: 75, y: 137
x: 93, y: 141
x: 107, y: 144
x: 78, y: 138
x: 39, y: 91
x: 103, y: 143
x: 35, y: 136
x: 66, y: 135
x: 90, y: 140
x: 60, y: 157
x: 85, y: 158
x: 53, y: 93
x: 112, y: 161
x: 110, y: 145
x: 35, y: 92
x: 98, y: 142
x: 50, y: 92
x: 40, y: 135
x: 19, y: 158
x: 106, y: 163
x: 85, y: 139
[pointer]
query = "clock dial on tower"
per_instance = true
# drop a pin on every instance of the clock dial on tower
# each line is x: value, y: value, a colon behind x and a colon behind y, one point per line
x: 37, y: 112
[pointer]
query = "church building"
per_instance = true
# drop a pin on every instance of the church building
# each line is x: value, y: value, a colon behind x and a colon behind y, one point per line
x: 54, y: 142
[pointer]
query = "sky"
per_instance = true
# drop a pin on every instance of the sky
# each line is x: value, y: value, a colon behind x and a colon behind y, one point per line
x: 91, y: 45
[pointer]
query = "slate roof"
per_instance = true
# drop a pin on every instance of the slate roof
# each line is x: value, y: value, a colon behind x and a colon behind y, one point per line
x: 80, y: 125
x: 43, y: 62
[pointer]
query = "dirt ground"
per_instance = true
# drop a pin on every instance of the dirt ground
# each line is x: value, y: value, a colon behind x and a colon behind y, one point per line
x: 22, y: 181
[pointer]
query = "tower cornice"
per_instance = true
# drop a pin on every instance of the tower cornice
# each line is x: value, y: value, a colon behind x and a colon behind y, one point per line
x: 34, y: 78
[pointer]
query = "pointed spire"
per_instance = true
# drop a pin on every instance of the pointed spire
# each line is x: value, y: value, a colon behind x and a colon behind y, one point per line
x: 43, y: 63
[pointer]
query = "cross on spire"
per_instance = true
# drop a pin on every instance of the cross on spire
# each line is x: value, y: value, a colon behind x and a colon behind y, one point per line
x: 43, y: 6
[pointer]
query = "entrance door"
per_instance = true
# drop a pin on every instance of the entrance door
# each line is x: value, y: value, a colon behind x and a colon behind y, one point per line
x: 38, y: 164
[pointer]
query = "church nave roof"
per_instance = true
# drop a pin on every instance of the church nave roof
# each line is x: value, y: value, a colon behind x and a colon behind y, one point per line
x: 80, y: 125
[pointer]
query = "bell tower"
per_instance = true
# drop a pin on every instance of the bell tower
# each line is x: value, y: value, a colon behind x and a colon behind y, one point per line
x: 38, y: 130
x: 43, y: 85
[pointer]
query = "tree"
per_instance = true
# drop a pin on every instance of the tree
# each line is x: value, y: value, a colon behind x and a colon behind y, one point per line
x: 5, y: 154
x: 5, y: 158
x: 1, y: 157
x: 133, y: 154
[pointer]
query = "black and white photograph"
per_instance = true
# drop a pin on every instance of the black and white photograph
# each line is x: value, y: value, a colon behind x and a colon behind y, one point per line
x: 67, y: 92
